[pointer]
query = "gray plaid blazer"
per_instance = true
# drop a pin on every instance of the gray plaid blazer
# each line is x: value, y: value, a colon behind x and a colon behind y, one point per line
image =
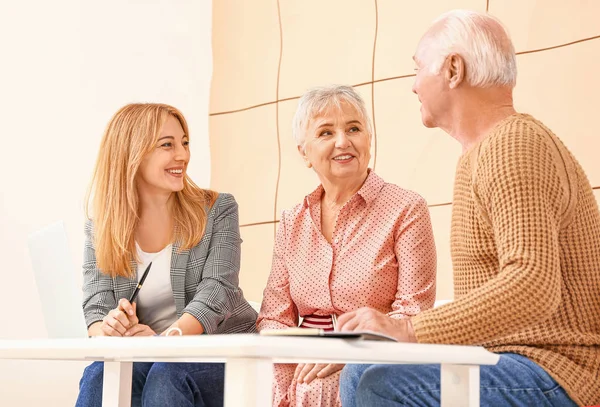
x: 204, y: 279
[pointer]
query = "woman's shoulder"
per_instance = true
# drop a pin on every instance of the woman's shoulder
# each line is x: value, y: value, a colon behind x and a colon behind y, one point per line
x: 224, y: 199
x: 88, y: 227
x: 222, y: 216
x: 293, y: 212
x: 224, y: 211
x: 401, y: 196
x: 224, y: 202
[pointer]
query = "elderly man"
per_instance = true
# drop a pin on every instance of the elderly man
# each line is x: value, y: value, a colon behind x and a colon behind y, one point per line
x: 525, y: 240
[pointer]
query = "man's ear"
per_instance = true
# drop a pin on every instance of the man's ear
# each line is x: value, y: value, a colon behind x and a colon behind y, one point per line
x: 454, y: 70
x: 304, y: 157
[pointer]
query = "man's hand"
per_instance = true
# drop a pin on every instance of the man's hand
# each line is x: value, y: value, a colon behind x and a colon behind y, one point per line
x: 368, y: 319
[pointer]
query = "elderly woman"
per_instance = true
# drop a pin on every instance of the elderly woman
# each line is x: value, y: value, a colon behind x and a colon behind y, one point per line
x: 356, y: 241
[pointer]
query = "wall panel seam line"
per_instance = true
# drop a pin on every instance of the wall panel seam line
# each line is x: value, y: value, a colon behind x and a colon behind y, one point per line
x: 277, y: 119
x: 558, y: 46
x: 298, y: 97
x: 395, y: 77
x: 373, y: 87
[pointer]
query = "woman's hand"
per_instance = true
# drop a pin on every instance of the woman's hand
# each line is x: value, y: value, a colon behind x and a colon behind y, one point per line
x: 140, y: 330
x: 186, y: 325
x: 307, y: 372
x: 120, y: 319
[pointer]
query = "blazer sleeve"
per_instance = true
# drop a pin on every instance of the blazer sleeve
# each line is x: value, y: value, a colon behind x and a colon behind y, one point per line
x: 98, y: 288
x: 218, y: 293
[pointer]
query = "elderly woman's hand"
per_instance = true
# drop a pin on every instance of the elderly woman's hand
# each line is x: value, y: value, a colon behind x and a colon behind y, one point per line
x: 368, y: 319
x: 307, y: 372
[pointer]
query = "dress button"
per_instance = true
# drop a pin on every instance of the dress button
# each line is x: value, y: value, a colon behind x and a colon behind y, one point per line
x: 336, y: 240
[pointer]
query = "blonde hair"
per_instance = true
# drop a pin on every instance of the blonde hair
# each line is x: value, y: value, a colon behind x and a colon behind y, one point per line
x: 131, y: 134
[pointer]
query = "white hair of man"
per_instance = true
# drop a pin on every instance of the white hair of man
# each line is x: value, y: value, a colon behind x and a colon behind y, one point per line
x: 480, y: 39
x: 316, y: 100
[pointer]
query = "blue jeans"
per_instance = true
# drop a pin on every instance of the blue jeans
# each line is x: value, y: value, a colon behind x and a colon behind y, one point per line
x: 515, y: 381
x: 161, y: 384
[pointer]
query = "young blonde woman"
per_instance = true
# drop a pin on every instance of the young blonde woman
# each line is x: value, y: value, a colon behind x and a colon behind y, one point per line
x: 145, y: 208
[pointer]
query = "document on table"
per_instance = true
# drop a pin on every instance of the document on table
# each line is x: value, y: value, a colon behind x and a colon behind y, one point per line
x: 321, y: 333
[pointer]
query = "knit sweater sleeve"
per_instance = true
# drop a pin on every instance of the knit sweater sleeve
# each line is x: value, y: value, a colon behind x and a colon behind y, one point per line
x: 519, y: 193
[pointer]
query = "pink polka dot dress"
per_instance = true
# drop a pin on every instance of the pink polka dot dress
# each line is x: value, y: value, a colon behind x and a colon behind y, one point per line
x: 382, y: 255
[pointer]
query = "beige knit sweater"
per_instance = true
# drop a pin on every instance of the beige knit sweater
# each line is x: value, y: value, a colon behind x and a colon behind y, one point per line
x: 525, y: 247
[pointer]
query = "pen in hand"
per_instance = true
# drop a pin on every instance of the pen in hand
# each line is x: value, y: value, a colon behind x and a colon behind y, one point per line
x: 139, y: 285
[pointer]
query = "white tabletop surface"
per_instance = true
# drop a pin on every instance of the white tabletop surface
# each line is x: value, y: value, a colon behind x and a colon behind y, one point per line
x: 221, y: 347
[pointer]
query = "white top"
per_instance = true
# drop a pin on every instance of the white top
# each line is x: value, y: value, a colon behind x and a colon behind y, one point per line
x: 155, y: 302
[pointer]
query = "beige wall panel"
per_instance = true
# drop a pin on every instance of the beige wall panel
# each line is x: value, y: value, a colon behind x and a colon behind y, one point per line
x: 401, y: 25
x: 245, y: 54
x: 535, y: 24
x: 366, y: 93
x: 597, y: 194
x: 561, y: 89
x: 257, y: 252
x: 244, y: 160
x: 296, y: 180
x: 408, y: 154
x: 325, y: 42
x: 440, y: 219
x: 332, y: 42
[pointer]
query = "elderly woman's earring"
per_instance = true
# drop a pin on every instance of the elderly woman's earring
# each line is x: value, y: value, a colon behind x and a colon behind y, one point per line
x: 306, y: 162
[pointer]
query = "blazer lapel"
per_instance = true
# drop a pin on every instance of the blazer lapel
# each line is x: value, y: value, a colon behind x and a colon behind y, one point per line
x: 179, y: 260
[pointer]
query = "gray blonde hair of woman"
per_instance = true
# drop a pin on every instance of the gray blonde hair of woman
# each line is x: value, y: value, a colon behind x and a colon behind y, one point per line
x: 131, y: 134
x: 316, y: 100
x: 480, y: 39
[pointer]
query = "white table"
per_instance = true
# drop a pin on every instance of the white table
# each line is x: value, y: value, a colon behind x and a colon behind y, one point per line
x: 249, y: 360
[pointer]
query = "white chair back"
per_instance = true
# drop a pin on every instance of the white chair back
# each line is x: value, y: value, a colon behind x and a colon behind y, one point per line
x: 55, y: 279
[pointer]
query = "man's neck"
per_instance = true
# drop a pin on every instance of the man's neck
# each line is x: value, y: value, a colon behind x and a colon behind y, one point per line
x: 474, y: 118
